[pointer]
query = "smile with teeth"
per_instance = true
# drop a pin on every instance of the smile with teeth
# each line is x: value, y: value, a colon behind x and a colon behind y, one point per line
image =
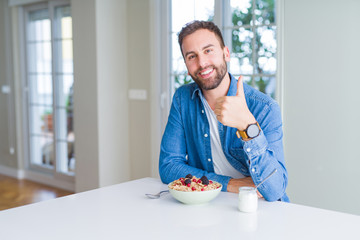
x: 206, y: 72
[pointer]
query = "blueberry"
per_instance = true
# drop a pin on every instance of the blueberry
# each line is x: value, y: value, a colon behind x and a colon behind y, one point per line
x: 189, y: 176
x: 187, y: 181
x: 204, y: 180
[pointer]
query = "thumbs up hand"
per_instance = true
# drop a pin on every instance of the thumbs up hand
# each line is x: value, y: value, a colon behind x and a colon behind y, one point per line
x: 233, y: 111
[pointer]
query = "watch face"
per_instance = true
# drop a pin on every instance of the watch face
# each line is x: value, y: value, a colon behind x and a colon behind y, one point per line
x: 253, y: 131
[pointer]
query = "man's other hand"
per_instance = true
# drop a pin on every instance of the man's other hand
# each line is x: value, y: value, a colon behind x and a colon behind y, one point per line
x: 235, y: 184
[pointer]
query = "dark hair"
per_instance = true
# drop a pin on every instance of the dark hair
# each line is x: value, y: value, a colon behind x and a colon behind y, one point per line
x: 193, y: 26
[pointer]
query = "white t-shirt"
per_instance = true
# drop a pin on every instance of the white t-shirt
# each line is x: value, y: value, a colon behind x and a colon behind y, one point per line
x: 221, y: 164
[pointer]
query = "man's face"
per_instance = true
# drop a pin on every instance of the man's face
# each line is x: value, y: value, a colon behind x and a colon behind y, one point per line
x: 205, y: 59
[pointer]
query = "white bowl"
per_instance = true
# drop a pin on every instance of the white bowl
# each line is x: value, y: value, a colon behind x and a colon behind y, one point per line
x: 195, y: 197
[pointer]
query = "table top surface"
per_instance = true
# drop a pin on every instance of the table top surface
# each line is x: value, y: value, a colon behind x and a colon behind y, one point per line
x: 123, y: 211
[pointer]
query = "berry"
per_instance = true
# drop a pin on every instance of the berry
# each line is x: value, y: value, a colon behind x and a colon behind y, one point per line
x: 193, y: 188
x: 204, y: 180
x: 210, y: 182
x: 194, y: 180
x: 187, y: 181
x: 188, y: 185
x: 202, y: 189
x: 199, y: 181
x: 189, y: 176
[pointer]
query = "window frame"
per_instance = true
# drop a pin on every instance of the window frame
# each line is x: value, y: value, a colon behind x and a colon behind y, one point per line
x: 23, y: 17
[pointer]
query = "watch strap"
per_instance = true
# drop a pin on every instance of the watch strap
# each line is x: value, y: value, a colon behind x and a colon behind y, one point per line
x: 243, y: 135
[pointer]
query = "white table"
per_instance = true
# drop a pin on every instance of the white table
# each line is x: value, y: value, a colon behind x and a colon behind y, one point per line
x: 123, y: 212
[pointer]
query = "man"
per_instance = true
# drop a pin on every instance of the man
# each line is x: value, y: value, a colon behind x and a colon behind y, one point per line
x: 220, y: 127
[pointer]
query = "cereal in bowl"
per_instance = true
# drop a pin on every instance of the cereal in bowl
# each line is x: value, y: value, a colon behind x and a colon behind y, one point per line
x: 193, y: 184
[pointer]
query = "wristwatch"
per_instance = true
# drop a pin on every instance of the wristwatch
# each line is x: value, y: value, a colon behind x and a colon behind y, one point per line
x: 253, y: 130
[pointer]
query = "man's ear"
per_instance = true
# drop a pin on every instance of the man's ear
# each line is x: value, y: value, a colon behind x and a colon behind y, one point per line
x: 226, y: 54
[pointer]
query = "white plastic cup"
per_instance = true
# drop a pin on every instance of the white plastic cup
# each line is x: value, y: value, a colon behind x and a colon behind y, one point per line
x: 248, y: 199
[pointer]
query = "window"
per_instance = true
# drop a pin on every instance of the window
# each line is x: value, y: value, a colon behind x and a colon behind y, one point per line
x: 249, y: 30
x: 49, y: 80
x: 190, y: 10
x: 253, y: 42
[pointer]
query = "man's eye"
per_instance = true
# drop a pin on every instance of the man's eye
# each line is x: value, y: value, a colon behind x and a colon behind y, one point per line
x: 191, y: 57
x: 208, y: 50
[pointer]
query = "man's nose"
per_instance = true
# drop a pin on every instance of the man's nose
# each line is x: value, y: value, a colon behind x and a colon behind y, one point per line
x: 202, y: 61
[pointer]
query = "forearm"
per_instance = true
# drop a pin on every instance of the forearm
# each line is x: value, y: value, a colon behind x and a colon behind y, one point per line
x: 263, y: 158
x: 235, y: 184
x: 171, y: 168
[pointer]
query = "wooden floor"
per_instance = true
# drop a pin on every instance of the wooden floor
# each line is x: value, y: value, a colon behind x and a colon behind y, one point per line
x: 15, y: 193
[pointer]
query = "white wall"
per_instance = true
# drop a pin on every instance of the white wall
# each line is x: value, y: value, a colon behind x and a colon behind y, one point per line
x: 113, y: 87
x: 139, y: 73
x: 321, y: 103
x: 7, y: 128
x: 100, y: 93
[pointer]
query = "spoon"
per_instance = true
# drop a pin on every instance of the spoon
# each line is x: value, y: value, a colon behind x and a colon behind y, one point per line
x: 275, y: 170
x: 155, y: 196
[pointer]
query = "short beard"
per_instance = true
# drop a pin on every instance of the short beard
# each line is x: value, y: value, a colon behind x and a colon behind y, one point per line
x: 212, y: 84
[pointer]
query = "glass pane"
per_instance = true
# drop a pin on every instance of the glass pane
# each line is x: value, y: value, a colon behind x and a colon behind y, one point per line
x: 39, y: 57
x: 70, y: 144
x: 63, y: 40
x: 39, y: 28
x: 181, y: 79
x: 266, y: 85
x: 178, y: 64
x: 41, y: 120
x: 65, y: 140
x: 64, y: 55
x: 40, y: 89
x: 241, y: 56
x: 266, y: 50
x: 42, y: 151
x: 265, y: 12
x: 64, y: 90
x: 246, y: 79
x: 61, y: 123
x: 39, y: 66
x: 241, y: 12
x: 184, y: 11
x: 64, y: 86
x: 204, y: 10
x: 63, y: 22
x: 66, y: 157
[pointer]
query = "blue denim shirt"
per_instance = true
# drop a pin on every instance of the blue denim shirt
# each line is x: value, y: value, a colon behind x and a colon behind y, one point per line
x: 186, y: 148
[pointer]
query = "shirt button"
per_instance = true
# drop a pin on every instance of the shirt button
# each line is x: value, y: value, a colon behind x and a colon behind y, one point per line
x: 209, y: 159
x: 202, y: 111
x: 248, y: 149
x: 205, y: 135
x: 253, y: 170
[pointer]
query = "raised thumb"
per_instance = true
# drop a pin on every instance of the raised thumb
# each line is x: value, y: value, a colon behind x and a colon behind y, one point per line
x: 240, y: 87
